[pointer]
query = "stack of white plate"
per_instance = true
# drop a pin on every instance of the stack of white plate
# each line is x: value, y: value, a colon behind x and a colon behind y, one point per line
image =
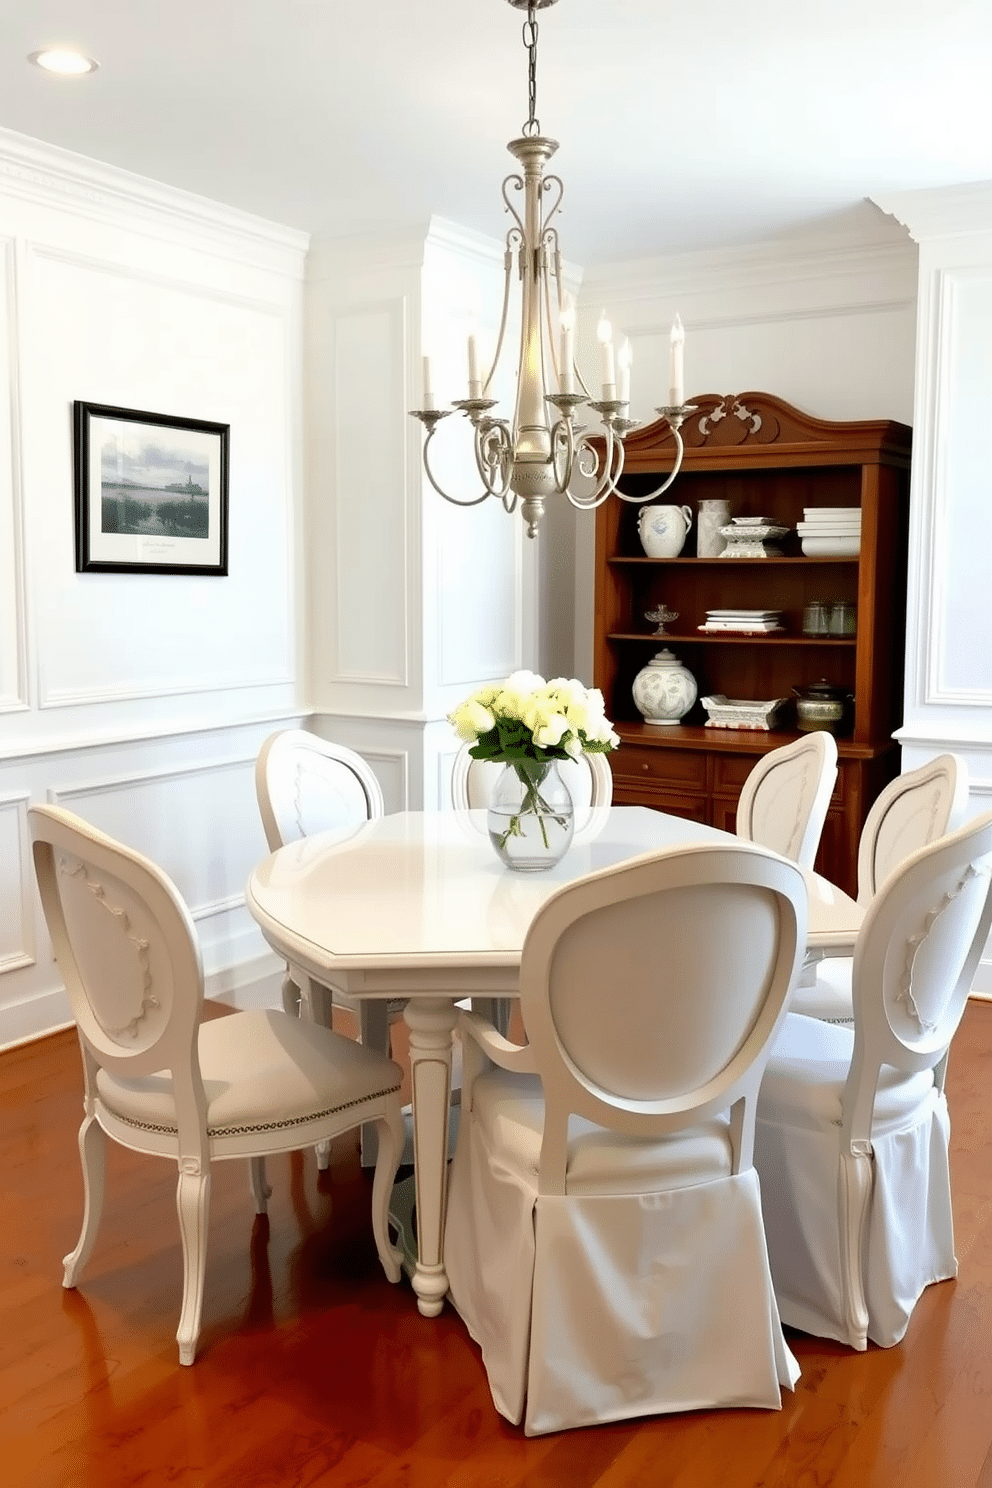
x: 743, y: 622
x: 830, y: 531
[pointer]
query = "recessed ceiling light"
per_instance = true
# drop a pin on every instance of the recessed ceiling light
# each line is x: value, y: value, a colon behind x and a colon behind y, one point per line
x: 63, y: 61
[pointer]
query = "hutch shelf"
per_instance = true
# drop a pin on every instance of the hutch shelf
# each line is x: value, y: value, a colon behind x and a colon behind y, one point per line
x: 766, y: 459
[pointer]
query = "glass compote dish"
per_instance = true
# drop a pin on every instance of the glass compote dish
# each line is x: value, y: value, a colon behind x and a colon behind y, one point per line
x: 661, y: 616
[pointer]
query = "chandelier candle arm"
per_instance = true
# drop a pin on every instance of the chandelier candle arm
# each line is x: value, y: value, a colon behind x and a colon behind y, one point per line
x: 674, y: 418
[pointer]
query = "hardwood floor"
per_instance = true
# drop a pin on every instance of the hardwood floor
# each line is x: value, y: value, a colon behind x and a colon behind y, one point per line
x: 313, y: 1370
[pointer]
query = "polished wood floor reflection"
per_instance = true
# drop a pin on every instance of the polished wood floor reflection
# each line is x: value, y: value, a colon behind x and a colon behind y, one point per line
x: 313, y: 1370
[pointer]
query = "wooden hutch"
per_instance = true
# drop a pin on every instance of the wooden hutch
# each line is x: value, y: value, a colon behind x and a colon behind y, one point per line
x: 766, y: 459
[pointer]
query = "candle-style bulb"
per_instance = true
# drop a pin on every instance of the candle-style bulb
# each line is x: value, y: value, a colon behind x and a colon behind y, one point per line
x: 676, y: 388
x: 566, y: 351
x: 624, y: 358
x: 605, y: 333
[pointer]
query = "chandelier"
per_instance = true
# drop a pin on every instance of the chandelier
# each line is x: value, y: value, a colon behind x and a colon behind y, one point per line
x: 543, y: 451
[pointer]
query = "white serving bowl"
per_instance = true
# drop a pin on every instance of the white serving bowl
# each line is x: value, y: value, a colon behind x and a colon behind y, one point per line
x: 832, y: 547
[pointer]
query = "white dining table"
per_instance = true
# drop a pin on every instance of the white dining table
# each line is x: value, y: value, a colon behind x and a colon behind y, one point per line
x: 417, y: 906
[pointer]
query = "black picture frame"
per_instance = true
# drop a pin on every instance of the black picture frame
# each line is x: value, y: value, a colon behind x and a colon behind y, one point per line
x: 130, y: 518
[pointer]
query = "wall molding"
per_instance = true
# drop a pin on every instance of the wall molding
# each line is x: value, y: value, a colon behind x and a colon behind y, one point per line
x: 112, y: 784
x: 52, y: 177
x: 174, y: 730
x: 854, y: 274
x: 941, y: 211
x: 183, y: 284
x: 66, y: 698
x: 25, y: 952
x: 14, y: 696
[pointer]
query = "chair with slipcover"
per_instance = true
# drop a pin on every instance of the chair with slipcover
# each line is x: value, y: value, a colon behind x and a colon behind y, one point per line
x: 783, y: 802
x: 604, y: 1240
x: 851, y: 1143
x: 157, y: 1080
x: 912, y: 811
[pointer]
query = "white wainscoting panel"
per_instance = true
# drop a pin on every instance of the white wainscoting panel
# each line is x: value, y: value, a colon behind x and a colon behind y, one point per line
x: 370, y: 560
x: 134, y: 342
x: 13, y: 637
x: 180, y: 817
x: 959, y: 671
x: 18, y: 942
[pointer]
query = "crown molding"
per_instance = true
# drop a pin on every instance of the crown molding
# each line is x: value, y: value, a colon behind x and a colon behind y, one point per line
x: 882, y: 253
x: 941, y: 211
x: 50, y: 176
x: 408, y: 245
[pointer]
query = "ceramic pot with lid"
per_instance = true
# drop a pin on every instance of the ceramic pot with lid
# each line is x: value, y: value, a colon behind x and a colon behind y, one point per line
x: 664, y: 690
x: 821, y: 706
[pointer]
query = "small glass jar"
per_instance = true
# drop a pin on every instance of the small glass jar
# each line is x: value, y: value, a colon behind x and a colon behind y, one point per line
x: 816, y: 618
x: 843, y: 618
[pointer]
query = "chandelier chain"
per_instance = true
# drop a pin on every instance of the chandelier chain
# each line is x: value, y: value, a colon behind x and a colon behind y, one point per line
x: 533, y: 126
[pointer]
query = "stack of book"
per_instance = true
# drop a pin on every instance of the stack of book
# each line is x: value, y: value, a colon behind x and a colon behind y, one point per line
x: 742, y: 622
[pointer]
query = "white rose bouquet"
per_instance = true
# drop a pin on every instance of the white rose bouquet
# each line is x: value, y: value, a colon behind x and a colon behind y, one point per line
x: 527, y: 722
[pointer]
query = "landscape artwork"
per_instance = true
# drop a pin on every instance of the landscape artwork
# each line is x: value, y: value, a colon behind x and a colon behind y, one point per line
x: 151, y: 492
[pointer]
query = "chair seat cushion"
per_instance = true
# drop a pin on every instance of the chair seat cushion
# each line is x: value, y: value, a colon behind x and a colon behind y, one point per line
x: 262, y: 1070
x: 509, y: 1109
x: 805, y: 1077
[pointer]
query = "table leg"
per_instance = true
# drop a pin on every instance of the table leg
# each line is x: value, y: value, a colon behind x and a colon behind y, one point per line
x: 430, y: 1020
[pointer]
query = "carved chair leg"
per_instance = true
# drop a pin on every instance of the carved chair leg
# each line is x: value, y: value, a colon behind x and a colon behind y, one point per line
x: 391, y: 1135
x: 193, y: 1205
x: 93, y: 1157
x: 261, y: 1189
x: 854, y: 1185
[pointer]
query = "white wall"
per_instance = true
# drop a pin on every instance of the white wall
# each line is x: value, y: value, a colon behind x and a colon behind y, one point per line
x: 825, y: 322
x: 140, y: 700
x: 949, y: 634
x: 414, y: 602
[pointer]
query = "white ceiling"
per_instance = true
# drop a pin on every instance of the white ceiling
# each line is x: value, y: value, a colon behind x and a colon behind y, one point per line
x: 681, y: 126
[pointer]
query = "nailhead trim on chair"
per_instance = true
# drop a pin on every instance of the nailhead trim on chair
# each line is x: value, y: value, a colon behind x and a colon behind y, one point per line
x: 247, y: 1131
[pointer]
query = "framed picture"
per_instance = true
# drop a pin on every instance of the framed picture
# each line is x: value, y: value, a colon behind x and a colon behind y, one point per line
x: 151, y: 492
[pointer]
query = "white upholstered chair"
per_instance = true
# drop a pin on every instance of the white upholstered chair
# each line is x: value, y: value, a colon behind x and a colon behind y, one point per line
x: 604, y: 1240
x: 589, y: 780
x: 913, y: 810
x: 157, y: 1080
x: 783, y: 802
x: 304, y: 784
x: 851, y: 1143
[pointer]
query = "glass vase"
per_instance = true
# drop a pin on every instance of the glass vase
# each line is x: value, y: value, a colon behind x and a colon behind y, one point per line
x: 530, y: 816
